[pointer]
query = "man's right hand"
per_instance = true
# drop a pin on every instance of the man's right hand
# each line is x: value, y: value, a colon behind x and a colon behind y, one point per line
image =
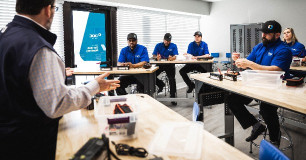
x: 107, y: 85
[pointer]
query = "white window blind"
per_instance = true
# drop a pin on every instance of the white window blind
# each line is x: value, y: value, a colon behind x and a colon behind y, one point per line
x: 7, y: 13
x: 151, y: 26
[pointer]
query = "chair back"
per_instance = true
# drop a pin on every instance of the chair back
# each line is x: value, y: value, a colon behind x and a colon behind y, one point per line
x: 269, y: 152
x: 228, y: 55
x: 215, y: 55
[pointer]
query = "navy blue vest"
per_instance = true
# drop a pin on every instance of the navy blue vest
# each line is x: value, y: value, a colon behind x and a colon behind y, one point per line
x: 20, y: 116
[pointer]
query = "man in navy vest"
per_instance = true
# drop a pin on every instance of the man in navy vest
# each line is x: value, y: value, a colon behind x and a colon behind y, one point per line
x: 197, y: 49
x: 272, y: 55
x: 166, y: 50
x: 32, y: 84
x: 135, y: 56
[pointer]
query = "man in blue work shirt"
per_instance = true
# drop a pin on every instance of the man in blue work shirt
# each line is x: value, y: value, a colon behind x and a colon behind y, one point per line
x: 134, y: 56
x: 197, y: 49
x: 166, y: 50
x: 272, y: 55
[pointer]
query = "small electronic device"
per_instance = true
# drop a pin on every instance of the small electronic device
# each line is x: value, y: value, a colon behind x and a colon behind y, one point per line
x: 94, y: 148
x: 147, y: 66
x: 204, y: 58
x: 105, y: 66
x: 295, y: 81
x: 231, y: 75
x: 123, y: 67
x: 216, y: 76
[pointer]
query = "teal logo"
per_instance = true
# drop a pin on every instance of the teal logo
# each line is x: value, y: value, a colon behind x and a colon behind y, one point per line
x: 270, y: 27
x: 93, y: 46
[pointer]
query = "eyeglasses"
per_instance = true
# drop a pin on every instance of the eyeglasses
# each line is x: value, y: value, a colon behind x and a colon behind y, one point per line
x: 55, y: 8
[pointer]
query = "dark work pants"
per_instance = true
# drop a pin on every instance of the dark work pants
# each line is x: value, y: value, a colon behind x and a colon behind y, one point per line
x: 125, y: 81
x: 188, y: 68
x: 246, y: 119
x: 170, y: 72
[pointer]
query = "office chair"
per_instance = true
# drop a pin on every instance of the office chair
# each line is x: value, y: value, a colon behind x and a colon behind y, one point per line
x: 269, y: 152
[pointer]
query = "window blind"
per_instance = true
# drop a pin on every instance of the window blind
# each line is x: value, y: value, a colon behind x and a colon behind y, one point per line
x: 151, y: 26
x: 7, y: 13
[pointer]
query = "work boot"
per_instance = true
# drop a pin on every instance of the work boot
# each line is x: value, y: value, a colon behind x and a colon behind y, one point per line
x: 190, y: 88
x: 258, y: 128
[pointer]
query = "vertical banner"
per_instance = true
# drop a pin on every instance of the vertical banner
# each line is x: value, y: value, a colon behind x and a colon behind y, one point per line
x: 93, y: 47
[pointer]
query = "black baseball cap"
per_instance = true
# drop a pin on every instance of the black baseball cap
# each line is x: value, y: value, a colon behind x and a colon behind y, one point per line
x: 198, y: 33
x: 167, y: 37
x: 131, y: 36
x: 271, y: 27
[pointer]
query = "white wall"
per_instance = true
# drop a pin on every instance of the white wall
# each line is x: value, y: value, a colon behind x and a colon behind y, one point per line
x: 216, y: 26
x: 187, y: 6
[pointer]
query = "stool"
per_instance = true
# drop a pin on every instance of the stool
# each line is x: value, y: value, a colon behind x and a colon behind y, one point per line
x: 216, y: 56
x: 165, y: 79
x: 226, y: 64
x: 287, y: 136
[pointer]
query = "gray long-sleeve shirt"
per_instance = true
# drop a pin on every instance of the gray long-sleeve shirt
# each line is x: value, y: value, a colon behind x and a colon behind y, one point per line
x: 47, y: 78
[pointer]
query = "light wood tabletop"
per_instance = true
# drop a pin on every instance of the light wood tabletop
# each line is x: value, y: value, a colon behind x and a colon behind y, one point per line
x: 78, y: 71
x: 77, y: 127
x: 181, y: 62
x: 293, y: 98
x: 301, y: 68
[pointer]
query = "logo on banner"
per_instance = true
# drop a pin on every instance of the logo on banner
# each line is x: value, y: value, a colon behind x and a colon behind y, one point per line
x: 93, y: 47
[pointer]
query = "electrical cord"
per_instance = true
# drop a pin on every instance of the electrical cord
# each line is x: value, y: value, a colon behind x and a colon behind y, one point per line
x: 124, y: 149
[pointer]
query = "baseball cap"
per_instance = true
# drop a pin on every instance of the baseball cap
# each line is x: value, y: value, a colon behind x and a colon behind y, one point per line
x: 198, y: 33
x: 271, y: 27
x: 132, y: 36
x: 167, y: 37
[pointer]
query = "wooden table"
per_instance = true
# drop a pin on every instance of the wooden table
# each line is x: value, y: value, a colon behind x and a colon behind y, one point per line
x: 301, y: 68
x: 207, y: 65
x: 77, y: 127
x: 291, y: 98
x: 145, y: 76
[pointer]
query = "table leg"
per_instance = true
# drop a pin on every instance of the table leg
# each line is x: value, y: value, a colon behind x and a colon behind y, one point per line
x: 228, y: 123
x: 198, y: 85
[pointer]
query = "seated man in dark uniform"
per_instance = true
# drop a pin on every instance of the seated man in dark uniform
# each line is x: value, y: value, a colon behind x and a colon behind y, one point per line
x: 271, y: 55
x: 134, y: 56
x: 166, y: 50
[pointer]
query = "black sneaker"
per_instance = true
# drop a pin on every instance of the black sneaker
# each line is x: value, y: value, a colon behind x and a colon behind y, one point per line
x: 258, y: 128
x: 190, y: 88
x: 160, y: 88
x: 174, y: 103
